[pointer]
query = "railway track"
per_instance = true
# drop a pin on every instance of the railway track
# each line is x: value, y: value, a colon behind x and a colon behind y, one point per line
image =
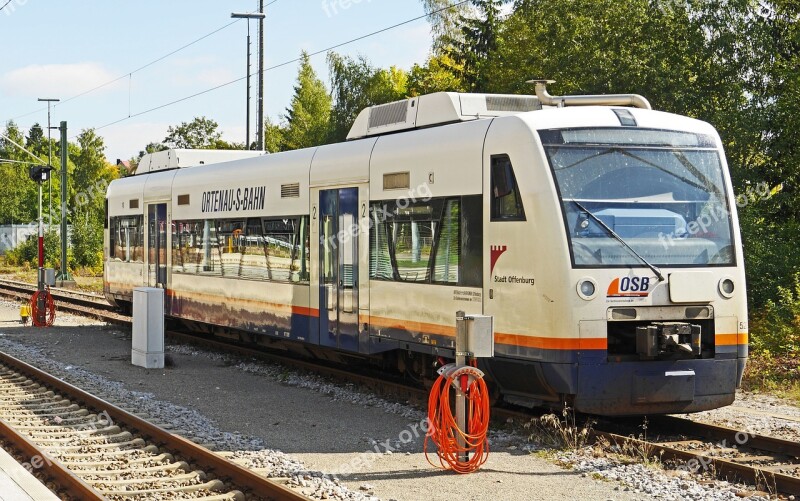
x: 91, y: 449
x: 79, y: 303
x: 770, y: 463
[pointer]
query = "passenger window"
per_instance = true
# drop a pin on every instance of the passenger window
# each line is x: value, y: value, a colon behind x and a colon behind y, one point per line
x: 506, y: 202
x: 254, y: 248
x: 427, y: 242
x: 126, y: 238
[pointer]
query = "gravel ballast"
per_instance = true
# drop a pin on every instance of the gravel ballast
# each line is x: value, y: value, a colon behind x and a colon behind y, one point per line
x: 332, y: 440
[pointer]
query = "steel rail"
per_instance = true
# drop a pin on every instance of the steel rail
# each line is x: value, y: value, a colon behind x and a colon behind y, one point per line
x: 729, y: 435
x: 50, y: 467
x: 721, y: 468
x: 224, y: 469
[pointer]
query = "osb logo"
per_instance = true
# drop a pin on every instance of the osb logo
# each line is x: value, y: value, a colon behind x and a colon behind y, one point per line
x: 629, y: 287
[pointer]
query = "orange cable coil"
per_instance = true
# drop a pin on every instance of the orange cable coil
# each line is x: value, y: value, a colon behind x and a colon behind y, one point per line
x: 49, y: 313
x: 443, y: 427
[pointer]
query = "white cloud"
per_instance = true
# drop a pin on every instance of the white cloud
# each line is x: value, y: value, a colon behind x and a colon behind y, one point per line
x: 126, y: 140
x: 60, y: 80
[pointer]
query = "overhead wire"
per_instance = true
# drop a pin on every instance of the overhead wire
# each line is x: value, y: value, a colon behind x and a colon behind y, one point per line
x: 129, y: 74
x: 280, y: 65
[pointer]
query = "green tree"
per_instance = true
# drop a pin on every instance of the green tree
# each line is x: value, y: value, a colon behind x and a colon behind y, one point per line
x: 308, y: 116
x: 444, y: 18
x: 36, y: 141
x: 200, y: 133
x: 355, y: 85
x: 439, y: 74
x: 92, y: 175
x: 273, y: 136
x: 19, y: 202
x: 474, y: 43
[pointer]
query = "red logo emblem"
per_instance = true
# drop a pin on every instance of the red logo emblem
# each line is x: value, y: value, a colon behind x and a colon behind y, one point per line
x: 497, y: 251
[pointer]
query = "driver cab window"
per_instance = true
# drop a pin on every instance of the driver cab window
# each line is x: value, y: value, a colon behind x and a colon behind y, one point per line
x: 506, y: 202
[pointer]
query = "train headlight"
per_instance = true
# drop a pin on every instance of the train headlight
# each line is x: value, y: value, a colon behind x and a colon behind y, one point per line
x: 726, y: 287
x: 587, y: 288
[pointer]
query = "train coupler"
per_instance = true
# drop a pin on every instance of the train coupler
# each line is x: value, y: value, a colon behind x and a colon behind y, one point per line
x: 666, y: 338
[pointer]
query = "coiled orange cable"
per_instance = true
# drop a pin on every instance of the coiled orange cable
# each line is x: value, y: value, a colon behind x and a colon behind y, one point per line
x: 443, y: 427
x: 48, y: 316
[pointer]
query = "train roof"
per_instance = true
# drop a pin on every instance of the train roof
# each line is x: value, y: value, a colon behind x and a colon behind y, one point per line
x: 442, y: 108
x: 439, y: 108
x: 178, y: 158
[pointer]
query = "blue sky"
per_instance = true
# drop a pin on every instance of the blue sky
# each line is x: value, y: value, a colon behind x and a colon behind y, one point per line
x: 61, y: 48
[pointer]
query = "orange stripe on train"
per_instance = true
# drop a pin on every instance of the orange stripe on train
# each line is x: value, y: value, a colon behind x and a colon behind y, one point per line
x: 731, y: 339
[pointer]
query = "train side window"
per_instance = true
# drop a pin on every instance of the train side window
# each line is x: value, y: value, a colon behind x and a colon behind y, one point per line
x: 407, y: 232
x: 192, y: 245
x: 230, y: 245
x: 380, y: 260
x: 471, y: 241
x: 448, y: 245
x: 126, y: 238
x: 112, y: 239
x: 286, y: 247
x: 506, y: 201
x: 431, y: 242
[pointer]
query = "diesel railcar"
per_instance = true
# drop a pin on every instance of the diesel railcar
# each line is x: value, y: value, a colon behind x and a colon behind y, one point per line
x: 600, y: 234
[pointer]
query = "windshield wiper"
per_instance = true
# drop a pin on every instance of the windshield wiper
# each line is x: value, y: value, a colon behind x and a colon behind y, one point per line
x: 616, y: 236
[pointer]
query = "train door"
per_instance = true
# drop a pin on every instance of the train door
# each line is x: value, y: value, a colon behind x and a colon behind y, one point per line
x: 338, y: 268
x: 157, y: 228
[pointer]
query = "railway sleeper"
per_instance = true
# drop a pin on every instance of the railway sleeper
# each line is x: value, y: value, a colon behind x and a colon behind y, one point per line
x: 21, y: 388
x: 102, y: 478
x: 100, y: 456
x: 83, y: 421
x: 90, y: 440
x: 32, y: 403
x: 37, y: 409
x: 128, y: 467
x: 229, y: 496
x: 211, y: 486
x: 136, y: 443
x: 15, y: 379
x: 72, y: 409
x: 108, y: 430
x: 41, y: 392
x: 154, y: 459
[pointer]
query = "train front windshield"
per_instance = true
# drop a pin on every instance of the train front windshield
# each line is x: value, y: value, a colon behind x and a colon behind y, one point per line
x: 661, y: 192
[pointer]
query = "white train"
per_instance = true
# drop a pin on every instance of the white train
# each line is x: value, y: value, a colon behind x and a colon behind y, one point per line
x: 601, y: 235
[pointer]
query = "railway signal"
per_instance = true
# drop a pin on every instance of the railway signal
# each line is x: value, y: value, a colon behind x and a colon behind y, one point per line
x: 42, y: 302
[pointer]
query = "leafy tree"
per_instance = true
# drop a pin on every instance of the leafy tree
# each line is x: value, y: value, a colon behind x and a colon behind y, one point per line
x: 475, y: 41
x: 19, y: 202
x: 92, y: 176
x: 152, y: 148
x: 308, y: 116
x: 439, y: 74
x: 443, y: 16
x: 355, y: 85
x: 36, y: 141
x: 273, y: 136
x: 200, y: 133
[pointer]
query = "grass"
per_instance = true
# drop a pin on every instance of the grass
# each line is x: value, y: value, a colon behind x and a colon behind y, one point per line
x: 561, y: 433
x: 86, y: 280
x: 778, y: 375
